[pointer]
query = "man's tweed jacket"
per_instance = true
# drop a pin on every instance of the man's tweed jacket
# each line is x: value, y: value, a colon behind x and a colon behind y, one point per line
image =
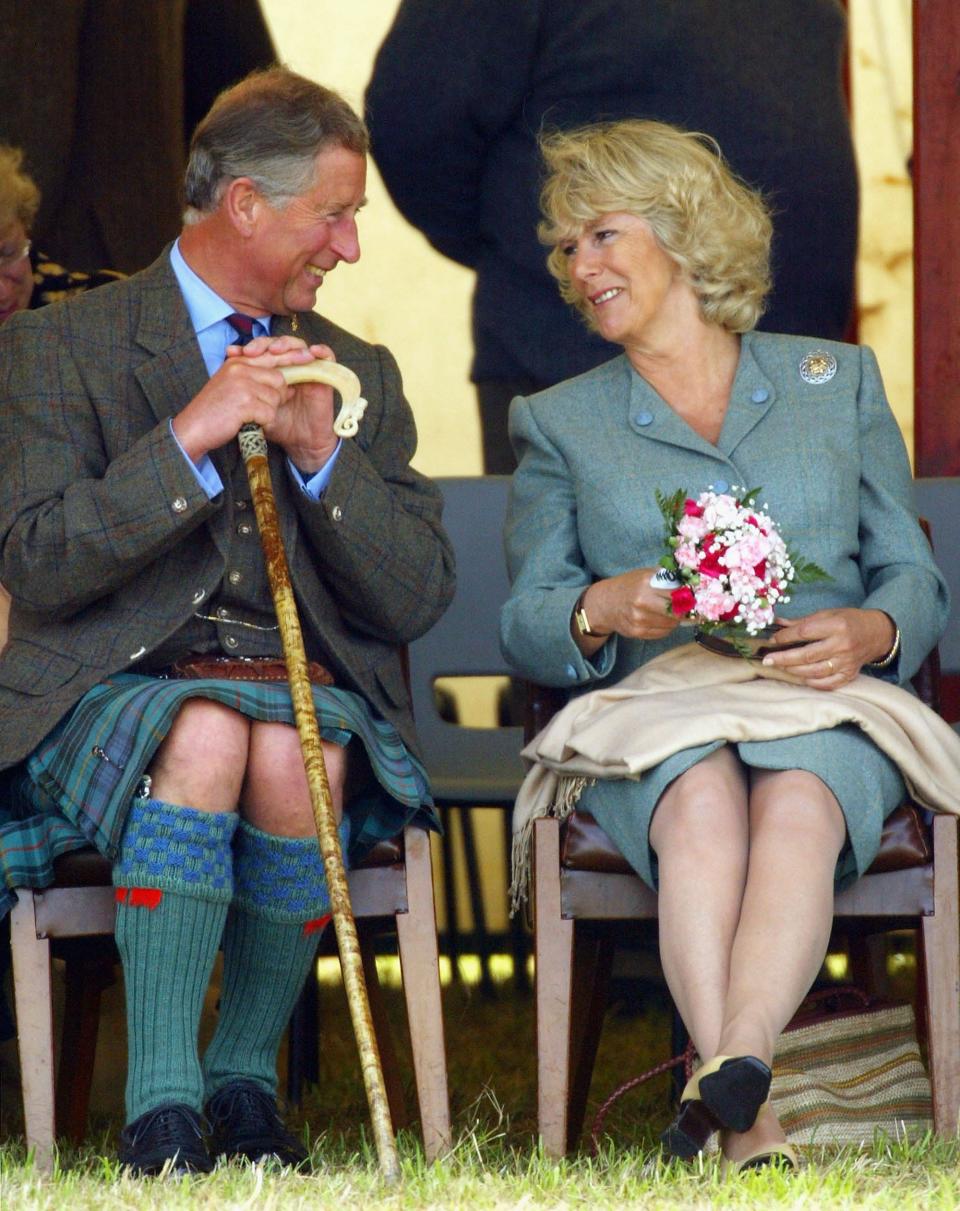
x: 108, y: 544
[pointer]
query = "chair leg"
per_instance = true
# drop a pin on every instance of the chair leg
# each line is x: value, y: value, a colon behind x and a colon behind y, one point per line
x: 592, y: 963
x: 941, y: 943
x: 33, y: 999
x: 475, y: 889
x: 383, y: 1033
x: 553, y: 949
x: 88, y: 972
x: 450, y: 896
x: 419, y: 960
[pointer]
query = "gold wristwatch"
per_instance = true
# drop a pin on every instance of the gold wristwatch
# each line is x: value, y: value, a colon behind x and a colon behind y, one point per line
x: 583, y: 622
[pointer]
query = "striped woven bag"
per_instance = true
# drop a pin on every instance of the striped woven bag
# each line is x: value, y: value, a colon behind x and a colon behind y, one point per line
x: 847, y: 1067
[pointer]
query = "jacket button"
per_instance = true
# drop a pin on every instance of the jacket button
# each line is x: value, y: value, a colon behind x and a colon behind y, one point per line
x: 240, y: 504
x: 235, y: 577
x: 243, y: 529
x: 179, y: 504
x: 199, y: 596
x: 760, y: 395
x: 570, y: 671
x: 643, y: 419
x: 720, y: 485
x: 223, y: 612
x: 336, y: 513
x: 230, y: 641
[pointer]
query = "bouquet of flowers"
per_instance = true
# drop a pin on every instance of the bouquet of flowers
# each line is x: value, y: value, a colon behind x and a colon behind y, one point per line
x: 727, y: 565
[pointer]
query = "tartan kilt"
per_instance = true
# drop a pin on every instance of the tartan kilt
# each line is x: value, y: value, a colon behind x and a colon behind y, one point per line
x: 75, y: 789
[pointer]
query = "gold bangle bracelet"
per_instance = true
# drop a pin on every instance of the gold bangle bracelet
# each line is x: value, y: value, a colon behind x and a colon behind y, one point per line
x: 890, y: 656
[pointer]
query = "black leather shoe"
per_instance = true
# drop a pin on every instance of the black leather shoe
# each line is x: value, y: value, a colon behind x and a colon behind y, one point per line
x: 170, y: 1133
x: 246, y: 1124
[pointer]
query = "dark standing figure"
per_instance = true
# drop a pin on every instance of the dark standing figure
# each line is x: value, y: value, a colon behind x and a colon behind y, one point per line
x: 461, y: 92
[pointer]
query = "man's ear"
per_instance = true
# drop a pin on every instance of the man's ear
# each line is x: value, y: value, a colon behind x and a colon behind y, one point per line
x: 242, y: 203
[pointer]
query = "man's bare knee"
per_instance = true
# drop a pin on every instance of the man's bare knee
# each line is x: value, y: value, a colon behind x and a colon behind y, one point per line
x: 203, y: 758
x: 276, y: 796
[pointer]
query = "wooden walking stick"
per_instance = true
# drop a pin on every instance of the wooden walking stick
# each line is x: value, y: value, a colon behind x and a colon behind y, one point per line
x: 253, y: 446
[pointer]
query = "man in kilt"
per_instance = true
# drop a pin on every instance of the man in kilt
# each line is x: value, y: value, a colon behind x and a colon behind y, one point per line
x: 140, y: 710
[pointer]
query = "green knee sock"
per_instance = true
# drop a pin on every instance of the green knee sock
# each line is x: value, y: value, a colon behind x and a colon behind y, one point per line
x: 174, y: 884
x: 269, y: 945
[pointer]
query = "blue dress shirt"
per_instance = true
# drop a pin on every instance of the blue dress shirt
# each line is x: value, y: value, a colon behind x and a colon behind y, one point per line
x: 208, y: 313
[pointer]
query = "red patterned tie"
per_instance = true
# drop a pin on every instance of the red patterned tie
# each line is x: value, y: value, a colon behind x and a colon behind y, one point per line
x: 242, y: 326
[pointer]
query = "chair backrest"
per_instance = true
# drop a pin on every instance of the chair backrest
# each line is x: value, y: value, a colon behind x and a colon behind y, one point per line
x: 468, y: 764
x: 938, y: 500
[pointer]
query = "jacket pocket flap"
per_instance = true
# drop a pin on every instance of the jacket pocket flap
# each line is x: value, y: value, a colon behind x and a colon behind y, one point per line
x: 34, y: 670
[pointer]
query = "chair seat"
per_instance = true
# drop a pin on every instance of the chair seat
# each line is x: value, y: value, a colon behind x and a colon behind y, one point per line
x: 905, y: 843
x: 89, y: 868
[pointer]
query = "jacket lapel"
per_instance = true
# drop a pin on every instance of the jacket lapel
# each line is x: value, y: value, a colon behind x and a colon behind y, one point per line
x: 751, y: 398
x: 175, y: 373
x: 651, y: 417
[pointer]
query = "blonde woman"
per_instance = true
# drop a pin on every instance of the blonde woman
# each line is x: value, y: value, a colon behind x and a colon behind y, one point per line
x: 666, y: 255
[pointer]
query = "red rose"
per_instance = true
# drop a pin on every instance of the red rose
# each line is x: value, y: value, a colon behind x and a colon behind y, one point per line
x: 709, y: 564
x: 692, y: 509
x: 682, y: 601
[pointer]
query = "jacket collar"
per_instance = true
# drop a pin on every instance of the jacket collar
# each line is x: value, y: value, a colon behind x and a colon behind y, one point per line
x: 751, y: 397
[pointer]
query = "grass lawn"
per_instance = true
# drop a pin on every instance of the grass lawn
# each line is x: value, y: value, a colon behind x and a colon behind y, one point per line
x: 495, y: 1161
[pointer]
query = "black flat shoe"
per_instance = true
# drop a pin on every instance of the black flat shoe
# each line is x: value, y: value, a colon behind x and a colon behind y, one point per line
x: 170, y: 1134
x: 728, y: 1091
x: 735, y: 1091
x: 246, y: 1124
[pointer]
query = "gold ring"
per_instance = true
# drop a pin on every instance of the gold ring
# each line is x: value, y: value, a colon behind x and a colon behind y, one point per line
x: 830, y: 665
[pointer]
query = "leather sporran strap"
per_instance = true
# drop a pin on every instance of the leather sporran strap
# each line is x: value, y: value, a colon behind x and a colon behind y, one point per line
x: 244, y: 668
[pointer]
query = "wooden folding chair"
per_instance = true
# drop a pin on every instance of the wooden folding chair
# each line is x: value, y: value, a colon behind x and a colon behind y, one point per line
x: 393, y: 885
x: 582, y: 885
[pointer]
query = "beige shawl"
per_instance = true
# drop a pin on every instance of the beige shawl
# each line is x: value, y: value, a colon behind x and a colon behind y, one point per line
x: 689, y: 696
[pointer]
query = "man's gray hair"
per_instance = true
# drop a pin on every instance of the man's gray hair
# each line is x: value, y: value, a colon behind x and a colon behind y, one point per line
x: 270, y: 127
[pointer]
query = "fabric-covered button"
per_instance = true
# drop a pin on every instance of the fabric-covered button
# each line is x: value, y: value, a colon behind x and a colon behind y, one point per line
x: 760, y: 395
x: 336, y: 513
x: 179, y: 504
x: 720, y: 485
x: 570, y: 671
x: 644, y: 418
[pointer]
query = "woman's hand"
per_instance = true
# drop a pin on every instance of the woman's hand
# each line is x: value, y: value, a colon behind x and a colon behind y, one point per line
x: 625, y: 605
x: 836, y: 645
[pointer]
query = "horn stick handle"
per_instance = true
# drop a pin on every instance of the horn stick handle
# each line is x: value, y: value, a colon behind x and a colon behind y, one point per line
x: 342, y: 379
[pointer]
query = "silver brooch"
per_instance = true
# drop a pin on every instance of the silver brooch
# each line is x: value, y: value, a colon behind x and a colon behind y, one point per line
x: 818, y: 366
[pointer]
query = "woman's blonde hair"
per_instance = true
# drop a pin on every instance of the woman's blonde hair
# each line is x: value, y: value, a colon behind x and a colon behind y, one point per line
x: 19, y: 197
x: 716, y: 228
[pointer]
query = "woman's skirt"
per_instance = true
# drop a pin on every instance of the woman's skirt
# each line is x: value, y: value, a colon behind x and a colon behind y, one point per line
x: 866, y: 783
x: 76, y: 788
